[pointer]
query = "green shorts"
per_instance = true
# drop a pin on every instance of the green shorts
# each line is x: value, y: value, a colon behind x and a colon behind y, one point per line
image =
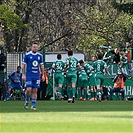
x: 71, y: 77
x: 99, y: 78
x: 65, y: 82
x: 59, y: 78
x: 92, y: 80
x: 82, y: 82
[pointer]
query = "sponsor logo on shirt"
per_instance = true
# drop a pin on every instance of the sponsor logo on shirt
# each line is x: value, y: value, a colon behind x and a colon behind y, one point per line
x: 35, y: 63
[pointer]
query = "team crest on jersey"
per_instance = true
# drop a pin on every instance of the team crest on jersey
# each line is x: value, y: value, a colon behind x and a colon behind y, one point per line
x: 35, y: 63
x: 38, y: 57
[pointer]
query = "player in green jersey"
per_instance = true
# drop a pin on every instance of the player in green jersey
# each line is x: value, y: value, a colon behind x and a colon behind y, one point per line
x: 82, y: 83
x: 91, y: 77
x: 58, y: 66
x: 100, y: 67
x: 71, y: 76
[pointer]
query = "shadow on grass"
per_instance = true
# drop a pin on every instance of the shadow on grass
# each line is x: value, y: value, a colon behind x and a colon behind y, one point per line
x: 63, y: 106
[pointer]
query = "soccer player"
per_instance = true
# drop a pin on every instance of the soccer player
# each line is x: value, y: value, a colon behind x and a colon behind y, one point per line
x: 71, y: 76
x: 32, y: 63
x: 99, y: 67
x: 91, y: 79
x: 82, y: 83
x: 16, y: 80
x: 58, y: 66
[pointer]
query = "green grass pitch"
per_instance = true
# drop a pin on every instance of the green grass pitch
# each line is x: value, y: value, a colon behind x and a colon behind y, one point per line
x: 63, y: 117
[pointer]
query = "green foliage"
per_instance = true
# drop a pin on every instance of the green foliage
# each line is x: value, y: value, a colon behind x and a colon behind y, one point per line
x: 9, y: 18
x: 104, y: 25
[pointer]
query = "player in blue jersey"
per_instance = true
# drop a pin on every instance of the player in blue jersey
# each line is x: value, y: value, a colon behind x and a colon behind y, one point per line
x: 31, y: 66
x: 16, y: 80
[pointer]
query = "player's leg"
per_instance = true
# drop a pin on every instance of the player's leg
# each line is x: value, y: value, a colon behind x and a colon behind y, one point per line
x: 69, y: 94
x: 92, y: 93
x: 112, y: 90
x: 68, y: 82
x: 79, y: 89
x: 92, y: 88
x: 98, y: 83
x: 35, y: 86
x: 11, y: 86
x: 95, y: 92
x: 27, y: 97
x: 19, y: 87
x: 80, y: 93
x: 84, y: 96
x: 28, y: 85
x: 7, y: 94
x: 60, y: 81
x: 34, y: 98
x: 122, y: 91
x: 74, y: 80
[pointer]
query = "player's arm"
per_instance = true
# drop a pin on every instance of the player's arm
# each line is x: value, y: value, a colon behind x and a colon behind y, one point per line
x: 42, y: 70
x: 53, y: 66
x: 23, y: 71
x: 10, y: 76
x: 66, y: 65
x: 106, y: 71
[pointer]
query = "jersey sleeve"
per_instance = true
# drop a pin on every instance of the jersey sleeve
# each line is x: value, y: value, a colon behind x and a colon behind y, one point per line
x: 25, y: 59
x: 10, y: 76
x: 41, y: 59
x: 105, y: 64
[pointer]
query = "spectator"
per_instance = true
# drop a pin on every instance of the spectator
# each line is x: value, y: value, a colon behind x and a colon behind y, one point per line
x: 123, y: 59
x: 119, y: 82
x: 128, y: 51
x: 41, y: 93
x: 109, y: 55
x: 129, y: 55
x: 116, y: 56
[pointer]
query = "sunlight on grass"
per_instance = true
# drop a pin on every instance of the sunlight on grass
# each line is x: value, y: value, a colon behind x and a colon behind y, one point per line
x: 61, y: 117
x: 67, y: 122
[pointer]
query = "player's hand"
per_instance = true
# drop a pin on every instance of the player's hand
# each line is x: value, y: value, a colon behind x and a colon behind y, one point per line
x: 43, y: 78
x: 24, y: 77
x: 15, y: 80
x: 106, y: 74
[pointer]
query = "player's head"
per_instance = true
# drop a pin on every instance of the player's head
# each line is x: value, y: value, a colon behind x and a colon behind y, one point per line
x: 34, y: 47
x: 100, y: 56
x: 93, y: 58
x: 119, y: 73
x: 81, y: 62
x: 70, y: 53
x: 59, y: 56
x: 18, y: 68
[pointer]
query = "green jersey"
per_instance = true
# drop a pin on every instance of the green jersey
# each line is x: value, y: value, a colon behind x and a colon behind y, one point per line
x: 59, y: 66
x: 82, y: 74
x: 73, y: 62
x: 99, y: 66
x: 88, y: 68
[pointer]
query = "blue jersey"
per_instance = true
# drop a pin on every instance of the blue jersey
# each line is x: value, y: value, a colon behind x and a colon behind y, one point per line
x: 33, y: 62
x: 15, y: 75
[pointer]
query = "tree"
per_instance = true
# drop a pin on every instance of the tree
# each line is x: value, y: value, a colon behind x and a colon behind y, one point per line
x: 103, y: 25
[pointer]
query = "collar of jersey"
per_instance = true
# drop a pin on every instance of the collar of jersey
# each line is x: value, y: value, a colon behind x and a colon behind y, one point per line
x: 33, y: 53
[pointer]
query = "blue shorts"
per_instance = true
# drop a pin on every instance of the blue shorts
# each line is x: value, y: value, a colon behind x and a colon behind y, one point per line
x: 15, y: 86
x: 33, y: 82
